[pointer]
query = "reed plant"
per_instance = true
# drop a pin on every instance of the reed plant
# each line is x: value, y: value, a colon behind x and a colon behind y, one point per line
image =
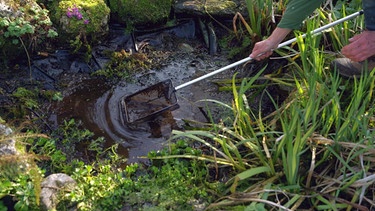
x: 261, y: 18
x: 316, y: 150
x: 261, y: 14
x: 339, y: 35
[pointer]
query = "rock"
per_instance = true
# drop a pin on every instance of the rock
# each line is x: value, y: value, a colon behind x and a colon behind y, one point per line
x: 5, y: 9
x: 11, y: 10
x: 81, y: 18
x: 7, y: 147
x: 4, y: 130
x: 11, y: 164
x: 148, y: 13
x: 216, y: 8
x: 52, y: 187
x: 184, y: 47
x: 140, y: 13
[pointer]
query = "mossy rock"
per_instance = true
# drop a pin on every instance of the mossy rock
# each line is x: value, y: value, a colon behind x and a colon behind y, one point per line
x: 86, y: 18
x: 140, y: 13
x: 206, y: 8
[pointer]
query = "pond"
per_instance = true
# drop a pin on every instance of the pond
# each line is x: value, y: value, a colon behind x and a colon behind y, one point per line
x: 96, y: 103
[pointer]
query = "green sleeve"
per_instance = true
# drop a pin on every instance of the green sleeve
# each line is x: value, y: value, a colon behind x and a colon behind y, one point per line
x: 297, y: 11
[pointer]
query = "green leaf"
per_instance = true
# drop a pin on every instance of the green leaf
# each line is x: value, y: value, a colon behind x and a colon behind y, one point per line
x: 15, y: 41
x: 253, y: 171
x: 4, y: 22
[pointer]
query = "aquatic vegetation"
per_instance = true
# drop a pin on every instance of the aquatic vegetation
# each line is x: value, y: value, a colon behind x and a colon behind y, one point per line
x: 101, y: 183
x: 27, y: 97
x: 262, y: 18
x: 30, y: 99
x: 124, y: 65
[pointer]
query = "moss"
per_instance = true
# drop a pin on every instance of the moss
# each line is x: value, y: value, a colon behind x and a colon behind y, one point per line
x: 115, y: 6
x: 28, y: 98
x: 142, y: 12
x: 124, y: 65
x: 219, y: 5
x: 93, y: 20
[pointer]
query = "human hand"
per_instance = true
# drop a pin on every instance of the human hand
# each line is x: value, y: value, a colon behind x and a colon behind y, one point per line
x: 263, y: 49
x: 361, y: 47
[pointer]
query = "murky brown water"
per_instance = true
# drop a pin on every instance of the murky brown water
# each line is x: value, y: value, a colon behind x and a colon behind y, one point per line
x: 149, y: 102
x: 97, y: 105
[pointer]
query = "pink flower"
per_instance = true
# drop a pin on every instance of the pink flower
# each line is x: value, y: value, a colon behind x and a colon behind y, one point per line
x: 74, y: 12
x: 69, y: 13
x: 79, y: 16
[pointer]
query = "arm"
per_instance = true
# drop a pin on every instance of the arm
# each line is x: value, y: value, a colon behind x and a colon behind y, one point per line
x: 295, y: 13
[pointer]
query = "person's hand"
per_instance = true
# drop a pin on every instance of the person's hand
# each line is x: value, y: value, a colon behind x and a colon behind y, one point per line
x: 263, y: 49
x: 361, y: 47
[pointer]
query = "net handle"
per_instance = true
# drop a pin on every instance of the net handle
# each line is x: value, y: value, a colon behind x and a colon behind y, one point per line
x: 314, y: 32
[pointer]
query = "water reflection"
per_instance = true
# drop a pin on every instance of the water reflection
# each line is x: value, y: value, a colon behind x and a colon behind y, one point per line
x: 183, y: 57
x: 97, y: 106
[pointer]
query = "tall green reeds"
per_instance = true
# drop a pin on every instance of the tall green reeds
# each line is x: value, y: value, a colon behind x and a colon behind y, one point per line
x: 260, y: 15
x: 339, y: 35
x: 315, y: 151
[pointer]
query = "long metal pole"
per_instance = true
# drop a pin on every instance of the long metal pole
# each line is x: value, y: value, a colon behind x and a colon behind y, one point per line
x: 318, y: 30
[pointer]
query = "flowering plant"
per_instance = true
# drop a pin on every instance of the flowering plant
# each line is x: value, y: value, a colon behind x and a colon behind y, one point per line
x: 77, y: 13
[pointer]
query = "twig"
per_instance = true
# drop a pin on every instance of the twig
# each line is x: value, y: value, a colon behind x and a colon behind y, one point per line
x: 28, y: 56
x: 268, y: 155
x: 312, y: 167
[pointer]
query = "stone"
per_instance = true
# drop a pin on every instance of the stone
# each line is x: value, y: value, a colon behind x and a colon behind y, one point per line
x: 88, y: 19
x: 7, y: 146
x: 140, y: 13
x: 52, y: 186
x: 216, y: 8
x: 5, y: 9
x: 4, y: 130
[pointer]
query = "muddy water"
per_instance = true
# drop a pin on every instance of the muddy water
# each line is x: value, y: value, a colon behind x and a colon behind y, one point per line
x: 97, y: 104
